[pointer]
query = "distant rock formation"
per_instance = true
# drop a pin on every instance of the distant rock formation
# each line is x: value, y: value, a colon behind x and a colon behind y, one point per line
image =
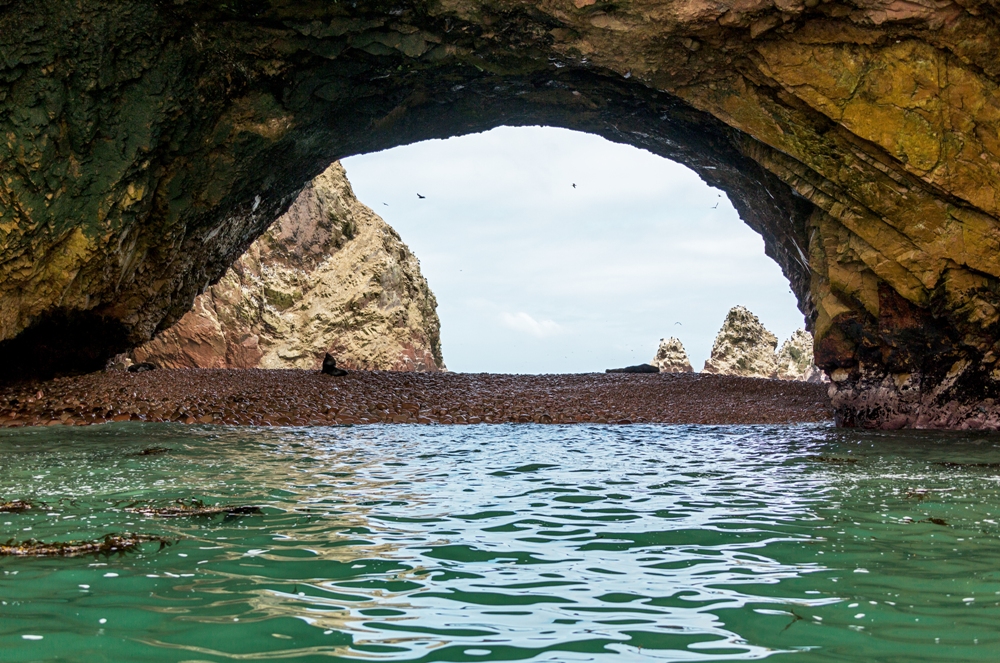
x: 746, y: 348
x: 743, y: 347
x: 329, y: 276
x: 671, y: 357
x: 795, y: 359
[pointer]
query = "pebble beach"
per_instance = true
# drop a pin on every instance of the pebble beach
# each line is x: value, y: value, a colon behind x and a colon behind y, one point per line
x: 259, y: 397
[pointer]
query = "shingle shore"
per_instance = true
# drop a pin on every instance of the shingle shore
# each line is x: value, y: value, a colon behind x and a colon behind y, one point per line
x: 309, y: 398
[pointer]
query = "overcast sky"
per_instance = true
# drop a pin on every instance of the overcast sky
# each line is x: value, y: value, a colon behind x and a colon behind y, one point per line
x: 533, y: 275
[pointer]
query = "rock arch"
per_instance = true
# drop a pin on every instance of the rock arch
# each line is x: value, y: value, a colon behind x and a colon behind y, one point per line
x: 146, y: 144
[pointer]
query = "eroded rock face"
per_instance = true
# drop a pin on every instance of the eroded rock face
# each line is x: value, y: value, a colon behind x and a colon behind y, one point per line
x: 671, y: 357
x: 147, y: 144
x: 329, y: 276
x: 743, y: 347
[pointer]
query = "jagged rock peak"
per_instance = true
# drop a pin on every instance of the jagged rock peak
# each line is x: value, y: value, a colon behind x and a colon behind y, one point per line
x: 795, y: 359
x: 329, y: 276
x: 743, y: 347
x: 671, y: 357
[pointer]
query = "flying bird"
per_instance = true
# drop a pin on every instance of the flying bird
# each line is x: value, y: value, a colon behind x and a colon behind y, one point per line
x: 715, y: 205
x: 677, y: 323
x: 386, y: 204
x: 421, y: 197
x: 574, y: 185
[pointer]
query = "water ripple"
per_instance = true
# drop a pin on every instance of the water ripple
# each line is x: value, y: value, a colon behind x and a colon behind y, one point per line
x: 548, y: 543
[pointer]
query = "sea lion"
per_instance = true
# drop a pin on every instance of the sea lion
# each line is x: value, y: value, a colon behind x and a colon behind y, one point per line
x: 142, y: 368
x: 640, y: 368
x: 330, y: 366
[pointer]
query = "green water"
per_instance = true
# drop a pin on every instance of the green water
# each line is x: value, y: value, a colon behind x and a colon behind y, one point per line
x: 497, y: 543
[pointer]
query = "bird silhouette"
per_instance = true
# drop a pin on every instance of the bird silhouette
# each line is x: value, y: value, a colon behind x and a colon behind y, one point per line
x: 715, y: 205
x: 386, y: 204
x: 574, y: 185
x: 677, y: 323
x: 421, y: 197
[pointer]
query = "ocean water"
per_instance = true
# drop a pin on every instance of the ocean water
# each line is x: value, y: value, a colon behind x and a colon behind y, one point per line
x: 507, y: 543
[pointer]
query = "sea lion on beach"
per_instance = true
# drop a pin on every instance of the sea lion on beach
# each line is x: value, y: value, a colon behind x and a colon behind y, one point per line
x: 640, y: 368
x: 330, y: 366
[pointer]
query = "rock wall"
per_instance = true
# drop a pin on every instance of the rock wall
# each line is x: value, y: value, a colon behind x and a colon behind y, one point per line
x: 329, y: 276
x: 671, y: 357
x: 147, y: 144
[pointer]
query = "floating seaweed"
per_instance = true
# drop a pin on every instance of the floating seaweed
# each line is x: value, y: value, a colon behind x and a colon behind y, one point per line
x: 194, y: 508
x: 16, y: 506
x: 154, y: 451
x: 936, y: 521
x: 111, y: 544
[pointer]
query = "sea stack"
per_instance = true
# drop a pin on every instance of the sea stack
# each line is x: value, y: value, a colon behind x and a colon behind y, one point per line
x: 795, y: 359
x: 743, y: 347
x: 671, y: 357
x: 746, y: 348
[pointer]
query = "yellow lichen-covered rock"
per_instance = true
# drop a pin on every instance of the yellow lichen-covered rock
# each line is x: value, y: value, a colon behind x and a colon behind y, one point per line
x: 329, y: 276
x: 145, y: 145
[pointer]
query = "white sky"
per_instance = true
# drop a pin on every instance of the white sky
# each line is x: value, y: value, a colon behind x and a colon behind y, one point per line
x: 534, y: 276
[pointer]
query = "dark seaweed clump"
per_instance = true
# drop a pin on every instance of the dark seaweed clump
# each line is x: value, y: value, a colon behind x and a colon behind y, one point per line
x: 154, y: 451
x: 194, y: 508
x: 112, y: 544
x: 15, y: 506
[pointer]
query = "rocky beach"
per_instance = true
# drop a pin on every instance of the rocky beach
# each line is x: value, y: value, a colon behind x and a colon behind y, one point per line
x: 273, y: 397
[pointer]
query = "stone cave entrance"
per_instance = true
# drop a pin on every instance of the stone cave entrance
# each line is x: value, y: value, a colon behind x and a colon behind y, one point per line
x: 405, y: 110
x: 148, y: 144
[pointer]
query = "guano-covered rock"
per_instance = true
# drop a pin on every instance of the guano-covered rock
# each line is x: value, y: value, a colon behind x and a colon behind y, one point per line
x: 671, y: 357
x: 743, y: 347
x: 795, y: 359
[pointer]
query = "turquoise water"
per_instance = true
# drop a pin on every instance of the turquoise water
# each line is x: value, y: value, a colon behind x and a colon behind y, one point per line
x: 502, y: 543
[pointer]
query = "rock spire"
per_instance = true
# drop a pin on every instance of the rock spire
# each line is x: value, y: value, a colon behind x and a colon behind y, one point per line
x: 746, y: 348
x: 671, y: 357
x: 795, y: 359
x: 743, y: 347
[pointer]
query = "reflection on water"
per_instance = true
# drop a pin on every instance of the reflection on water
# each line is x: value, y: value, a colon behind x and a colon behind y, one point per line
x: 486, y: 543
